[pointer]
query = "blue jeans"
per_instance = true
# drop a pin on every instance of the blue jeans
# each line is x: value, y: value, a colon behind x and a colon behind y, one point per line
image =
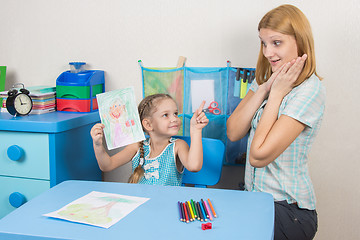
x: 292, y: 222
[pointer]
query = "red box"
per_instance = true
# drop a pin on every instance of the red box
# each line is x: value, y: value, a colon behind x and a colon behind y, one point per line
x: 76, y: 105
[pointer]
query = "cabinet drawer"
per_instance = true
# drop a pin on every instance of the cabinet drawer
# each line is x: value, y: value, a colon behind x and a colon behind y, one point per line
x: 20, y: 189
x: 24, y: 154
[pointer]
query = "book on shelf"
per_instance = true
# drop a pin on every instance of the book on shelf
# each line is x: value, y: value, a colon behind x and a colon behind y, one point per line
x: 36, y: 92
x: 43, y: 98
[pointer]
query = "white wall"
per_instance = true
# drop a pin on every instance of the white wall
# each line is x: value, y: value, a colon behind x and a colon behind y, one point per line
x: 39, y: 37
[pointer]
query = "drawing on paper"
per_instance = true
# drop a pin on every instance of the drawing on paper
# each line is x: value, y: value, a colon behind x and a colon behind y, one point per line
x: 118, y: 112
x: 99, y: 209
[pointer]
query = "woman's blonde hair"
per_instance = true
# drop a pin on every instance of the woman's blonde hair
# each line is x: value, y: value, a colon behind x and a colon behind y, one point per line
x: 146, y: 108
x: 288, y: 20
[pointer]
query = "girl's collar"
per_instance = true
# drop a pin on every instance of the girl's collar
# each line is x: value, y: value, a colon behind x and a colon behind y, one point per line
x: 147, y: 141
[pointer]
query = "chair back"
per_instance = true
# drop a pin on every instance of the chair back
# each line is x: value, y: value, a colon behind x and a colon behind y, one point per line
x: 210, y: 173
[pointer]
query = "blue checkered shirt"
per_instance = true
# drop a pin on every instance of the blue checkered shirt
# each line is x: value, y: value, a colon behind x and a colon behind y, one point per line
x: 287, y: 177
x: 160, y: 170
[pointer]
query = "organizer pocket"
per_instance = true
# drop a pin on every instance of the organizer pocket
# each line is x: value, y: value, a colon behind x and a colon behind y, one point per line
x: 170, y: 81
x: 208, y: 84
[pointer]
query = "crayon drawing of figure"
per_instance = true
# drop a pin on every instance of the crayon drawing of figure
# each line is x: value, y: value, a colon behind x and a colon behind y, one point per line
x: 119, y: 123
x: 118, y: 112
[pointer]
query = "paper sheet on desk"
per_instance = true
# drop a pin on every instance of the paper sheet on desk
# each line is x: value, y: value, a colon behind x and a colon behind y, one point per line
x: 98, y: 209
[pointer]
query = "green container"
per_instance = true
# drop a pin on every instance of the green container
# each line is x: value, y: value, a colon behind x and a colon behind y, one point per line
x: 2, y: 81
x: 78, y: 91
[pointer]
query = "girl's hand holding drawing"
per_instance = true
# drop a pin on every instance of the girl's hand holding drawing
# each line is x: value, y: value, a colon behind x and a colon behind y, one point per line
x: 107, y: 163
x: 97, y: 133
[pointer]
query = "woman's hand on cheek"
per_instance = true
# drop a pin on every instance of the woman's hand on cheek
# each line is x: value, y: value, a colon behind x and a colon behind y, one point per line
x: 287, y: 76
x: 267, y: 85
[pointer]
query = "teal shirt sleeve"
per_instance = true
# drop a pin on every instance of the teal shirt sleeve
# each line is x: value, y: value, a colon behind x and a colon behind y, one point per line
x: 306, y: 102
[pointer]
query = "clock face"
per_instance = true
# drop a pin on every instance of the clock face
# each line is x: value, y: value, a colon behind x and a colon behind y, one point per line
x: 23, y: 104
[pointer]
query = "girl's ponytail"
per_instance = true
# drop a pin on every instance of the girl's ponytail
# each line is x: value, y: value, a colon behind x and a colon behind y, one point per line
x: 139, y: 171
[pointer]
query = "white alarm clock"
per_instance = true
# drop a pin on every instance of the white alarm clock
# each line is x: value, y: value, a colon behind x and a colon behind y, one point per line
x: 19, y: 103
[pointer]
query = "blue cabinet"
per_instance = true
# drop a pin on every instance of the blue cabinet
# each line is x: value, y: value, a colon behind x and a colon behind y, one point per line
x: 39, y: 151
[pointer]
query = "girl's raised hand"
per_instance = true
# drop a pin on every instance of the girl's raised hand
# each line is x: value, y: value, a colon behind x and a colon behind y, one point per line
x: 199, y: 119
x: 97, y: 133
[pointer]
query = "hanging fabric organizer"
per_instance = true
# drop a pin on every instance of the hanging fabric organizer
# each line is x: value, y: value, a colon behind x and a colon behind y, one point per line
x: 190, y: 85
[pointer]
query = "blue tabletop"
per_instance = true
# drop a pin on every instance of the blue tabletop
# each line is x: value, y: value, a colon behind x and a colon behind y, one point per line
x: 241, y: 215
x: 48, y: 122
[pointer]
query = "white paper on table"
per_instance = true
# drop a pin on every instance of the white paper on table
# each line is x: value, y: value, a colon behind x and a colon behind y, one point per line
x: 98, y: 209
x: 202, y: 90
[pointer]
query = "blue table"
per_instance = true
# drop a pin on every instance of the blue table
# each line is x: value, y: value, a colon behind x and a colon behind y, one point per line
x: 241, y: 215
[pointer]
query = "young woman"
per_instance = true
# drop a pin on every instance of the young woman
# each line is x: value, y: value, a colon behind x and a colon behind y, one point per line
x: 160, y: 159
x: 283, y: 110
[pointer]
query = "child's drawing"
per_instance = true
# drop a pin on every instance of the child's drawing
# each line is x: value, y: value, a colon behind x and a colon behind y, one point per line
x: 119, y: 114
x: 99, y: 209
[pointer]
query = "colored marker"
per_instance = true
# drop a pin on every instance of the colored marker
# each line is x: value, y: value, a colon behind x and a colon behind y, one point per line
x: 203, y: 211
x: 180, y: 212
x: 197, y: 211
x: 191, y: 211
x: 208, y: 210
x: 186, y: 214
x: 194, y: 209
x: 200, y: 213
x: 212, y: 208
x: 188, y: 211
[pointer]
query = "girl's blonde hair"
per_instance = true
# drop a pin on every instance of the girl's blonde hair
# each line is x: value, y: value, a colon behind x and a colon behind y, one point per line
x: 146, y: 108
x: 138, y: 171
x: 288, y: 20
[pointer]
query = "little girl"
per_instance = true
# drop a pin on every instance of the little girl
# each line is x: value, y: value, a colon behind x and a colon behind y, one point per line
x: 159, y: 159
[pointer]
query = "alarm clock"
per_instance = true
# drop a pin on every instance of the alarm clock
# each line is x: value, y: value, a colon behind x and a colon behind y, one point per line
x: 19, y: 103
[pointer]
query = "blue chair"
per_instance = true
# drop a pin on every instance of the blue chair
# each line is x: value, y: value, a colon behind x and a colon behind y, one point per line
x: 210, y: 172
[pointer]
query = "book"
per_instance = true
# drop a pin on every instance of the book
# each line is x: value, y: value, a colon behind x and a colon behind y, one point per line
x: 43, y: 98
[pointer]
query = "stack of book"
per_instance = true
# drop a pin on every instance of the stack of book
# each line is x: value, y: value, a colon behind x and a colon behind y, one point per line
x: 43, y: 98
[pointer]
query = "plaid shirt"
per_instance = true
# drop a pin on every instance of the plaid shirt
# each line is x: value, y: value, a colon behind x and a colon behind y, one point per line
x: 287, y: 177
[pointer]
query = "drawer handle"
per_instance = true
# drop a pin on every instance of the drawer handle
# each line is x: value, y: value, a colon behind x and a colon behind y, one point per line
x: 15, y: 152
x: 17, y: 199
